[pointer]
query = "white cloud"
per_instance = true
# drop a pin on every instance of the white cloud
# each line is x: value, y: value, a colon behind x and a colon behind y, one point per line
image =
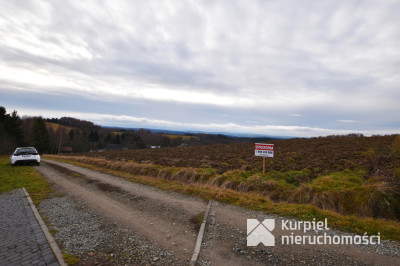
x: 132, y: 121
x: 314, y: 57
x: 346, y: 121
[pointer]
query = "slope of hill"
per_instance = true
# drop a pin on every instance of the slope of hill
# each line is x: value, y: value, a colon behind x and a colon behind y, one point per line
x: 315, y: 156
x: 350, y: 175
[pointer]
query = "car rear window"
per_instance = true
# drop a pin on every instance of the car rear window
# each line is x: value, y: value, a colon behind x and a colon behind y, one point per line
x: 26, y: 151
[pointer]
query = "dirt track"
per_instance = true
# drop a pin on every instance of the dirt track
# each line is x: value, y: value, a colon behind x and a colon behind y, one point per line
x: 164, y: 217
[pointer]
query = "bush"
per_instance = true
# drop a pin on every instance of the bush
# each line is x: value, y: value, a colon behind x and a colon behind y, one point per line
x: 292, y: 177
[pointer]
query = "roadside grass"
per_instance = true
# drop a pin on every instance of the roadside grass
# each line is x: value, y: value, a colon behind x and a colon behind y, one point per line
x: 348, y: 192
x: 291, y: 177
x: 197, y: 220
x: 53, y: 231
x: 69, y: 258
x: 388, y: 229
x: 23, y: 176
x: 14, y: 177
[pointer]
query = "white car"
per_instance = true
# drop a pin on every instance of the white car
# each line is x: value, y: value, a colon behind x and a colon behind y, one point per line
x: 25, y: 155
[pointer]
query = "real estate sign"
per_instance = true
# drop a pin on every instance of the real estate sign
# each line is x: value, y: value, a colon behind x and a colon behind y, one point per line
x: 265, y: 150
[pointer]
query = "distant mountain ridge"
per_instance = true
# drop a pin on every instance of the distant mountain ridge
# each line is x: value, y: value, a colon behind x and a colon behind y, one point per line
x: 229, y: 134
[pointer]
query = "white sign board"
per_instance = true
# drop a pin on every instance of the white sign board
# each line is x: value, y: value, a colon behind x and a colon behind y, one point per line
x: 265, y: 150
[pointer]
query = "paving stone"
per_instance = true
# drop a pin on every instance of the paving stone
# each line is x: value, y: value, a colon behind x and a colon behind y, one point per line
x: 22, y: 241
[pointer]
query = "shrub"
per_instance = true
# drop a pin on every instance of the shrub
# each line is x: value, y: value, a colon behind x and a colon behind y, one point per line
x: 396, y: 146
x: 206, y: 173
x: 187, y: 175
x: 292, y: 177
x: 338, y: 181
x: 348, y: 193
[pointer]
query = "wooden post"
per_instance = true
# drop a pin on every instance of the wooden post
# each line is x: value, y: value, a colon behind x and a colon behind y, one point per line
x: 264, y: 159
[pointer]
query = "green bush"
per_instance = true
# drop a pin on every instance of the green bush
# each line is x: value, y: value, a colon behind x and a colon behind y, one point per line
x: 292, y: 177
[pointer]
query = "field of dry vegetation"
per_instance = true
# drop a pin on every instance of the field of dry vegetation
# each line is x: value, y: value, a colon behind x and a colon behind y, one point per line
x: 348, y: 175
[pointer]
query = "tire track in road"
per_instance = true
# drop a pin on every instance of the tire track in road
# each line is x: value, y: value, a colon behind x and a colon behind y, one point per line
x: 224, y: 240
x: 170, y: 235
x: 190, y: 205
x: 176, y: 233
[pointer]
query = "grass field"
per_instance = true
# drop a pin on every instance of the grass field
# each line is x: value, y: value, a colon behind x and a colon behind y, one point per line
x: 388, y: 229
x: 184, y: 138
x: 23, y: 176
x: 351, y: 191
x: 55, y: 127
x: 351, y: 175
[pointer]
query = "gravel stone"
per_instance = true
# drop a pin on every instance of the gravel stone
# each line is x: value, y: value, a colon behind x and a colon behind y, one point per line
x: 93, y: 240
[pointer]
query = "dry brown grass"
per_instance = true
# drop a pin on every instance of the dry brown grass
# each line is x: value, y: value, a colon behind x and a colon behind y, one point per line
x: 396, y: 146
x: 373, y: 199
x: 388, y: 229
x: 345, y: 192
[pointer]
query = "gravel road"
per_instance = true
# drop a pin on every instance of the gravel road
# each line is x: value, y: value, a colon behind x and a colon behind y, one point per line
x: 107, y: 220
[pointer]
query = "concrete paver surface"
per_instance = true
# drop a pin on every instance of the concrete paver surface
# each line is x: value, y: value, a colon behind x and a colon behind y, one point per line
x: 22, y: 241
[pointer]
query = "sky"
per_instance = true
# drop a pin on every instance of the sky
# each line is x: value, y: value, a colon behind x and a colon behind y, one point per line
x: 287, y: 67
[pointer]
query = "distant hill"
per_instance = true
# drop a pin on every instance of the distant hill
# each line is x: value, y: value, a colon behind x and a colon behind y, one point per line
x: 82, y: 136
x: 194, y: 132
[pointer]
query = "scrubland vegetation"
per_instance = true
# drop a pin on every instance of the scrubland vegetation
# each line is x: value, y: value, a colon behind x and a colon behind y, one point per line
x: 351, y: 176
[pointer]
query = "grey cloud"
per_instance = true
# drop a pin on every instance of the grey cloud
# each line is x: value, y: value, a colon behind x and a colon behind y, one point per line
x: 343, y: 52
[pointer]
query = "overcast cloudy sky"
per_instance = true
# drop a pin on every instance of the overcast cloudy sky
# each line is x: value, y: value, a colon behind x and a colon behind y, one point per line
x: 293, y: 68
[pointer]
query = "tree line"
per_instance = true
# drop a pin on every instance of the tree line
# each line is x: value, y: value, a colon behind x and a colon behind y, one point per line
x: 67, y: 134
x: 16, y: 132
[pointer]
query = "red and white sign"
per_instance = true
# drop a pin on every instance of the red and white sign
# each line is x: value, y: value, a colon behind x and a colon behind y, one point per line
x: 265, y: 150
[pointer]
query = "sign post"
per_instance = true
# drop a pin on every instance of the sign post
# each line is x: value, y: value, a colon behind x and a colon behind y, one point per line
x: 264, y: 163
x: 264, y: 150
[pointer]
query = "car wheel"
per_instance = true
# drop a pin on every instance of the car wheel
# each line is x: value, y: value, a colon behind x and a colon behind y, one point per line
x: 37, y: 164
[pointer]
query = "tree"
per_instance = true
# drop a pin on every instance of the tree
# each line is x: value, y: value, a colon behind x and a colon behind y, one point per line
x: 71, y: 135
x: 165, y: 141
x: 15, y: 128
x: 3, y: 113
x: 108, y: 138
x: 41, y: 138
x: 4, y: 146
x: 11, y: 133
x: 117, y: 139
x: 93, y: 136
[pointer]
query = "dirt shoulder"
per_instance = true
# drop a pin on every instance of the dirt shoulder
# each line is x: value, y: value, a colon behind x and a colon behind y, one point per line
x: 164, y: 219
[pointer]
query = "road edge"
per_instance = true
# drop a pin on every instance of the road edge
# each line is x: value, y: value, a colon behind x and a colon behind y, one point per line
x: 53, y: 245
x: 196, y: 251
